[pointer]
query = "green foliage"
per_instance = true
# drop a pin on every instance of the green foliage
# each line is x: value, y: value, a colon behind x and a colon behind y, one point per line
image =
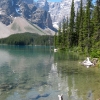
x: 72, y: 25
x: 81, y: 33
x: 27, y: 39
x: 95, y: 53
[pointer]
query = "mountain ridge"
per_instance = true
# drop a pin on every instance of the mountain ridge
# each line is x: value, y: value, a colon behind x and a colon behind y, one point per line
x: 24, y: 8
x: 59, y: 10
x: 21, y: 25
x: 42, y: 14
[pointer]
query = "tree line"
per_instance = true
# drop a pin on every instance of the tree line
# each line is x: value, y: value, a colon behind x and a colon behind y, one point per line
x: 82, y: 30
x: 27, y: 39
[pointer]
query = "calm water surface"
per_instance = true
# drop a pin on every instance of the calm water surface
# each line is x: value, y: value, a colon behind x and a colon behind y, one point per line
x: 36, y: 73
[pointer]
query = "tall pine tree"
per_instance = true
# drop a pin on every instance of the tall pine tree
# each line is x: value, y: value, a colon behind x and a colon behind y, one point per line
x: 96, y: 22
x: 81, y: 19
x: 87, y: 29
x: 77, y: 23
x: 72, y: 25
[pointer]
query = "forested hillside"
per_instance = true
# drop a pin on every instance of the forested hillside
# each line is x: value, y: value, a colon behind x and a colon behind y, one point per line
x: 27, y: 39
x: 81, y: 32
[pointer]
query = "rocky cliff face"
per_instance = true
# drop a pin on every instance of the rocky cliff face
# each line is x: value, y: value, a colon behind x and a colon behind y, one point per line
x: 42, y: 12
x: 58, y: 10
x: 43, y: 4
x: 41, y: 18
x: 9, y: 9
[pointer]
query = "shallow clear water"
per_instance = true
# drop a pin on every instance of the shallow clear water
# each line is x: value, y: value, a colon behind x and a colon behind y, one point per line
x: 37, y: 73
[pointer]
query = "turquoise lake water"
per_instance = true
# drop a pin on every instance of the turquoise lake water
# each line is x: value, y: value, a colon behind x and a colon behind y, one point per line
x: 37, y: 73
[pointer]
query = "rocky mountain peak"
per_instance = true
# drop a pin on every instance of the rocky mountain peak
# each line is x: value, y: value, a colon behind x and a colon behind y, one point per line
x: 43, y: 4
x: 58, y: 10
x: 9, y: 9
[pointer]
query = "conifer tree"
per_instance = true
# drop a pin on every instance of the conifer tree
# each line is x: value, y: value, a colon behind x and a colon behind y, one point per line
x: 63, y: 33
x: 71, y: 25
x: 59, y: 37
x: 87, y: 27
x: 77, y: 23
x: 82, y: 31
x: 81, y: 19
x: 55, y: 40
x: 96, y: 22
x: 67, y: 34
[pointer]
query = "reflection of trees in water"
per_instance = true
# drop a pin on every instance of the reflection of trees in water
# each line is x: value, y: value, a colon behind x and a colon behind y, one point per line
x: 26, y: 72
x: 63, y: 85
x: 33, y: 76
x: 85, y: 80
x: 26, y: 68
x: 69, y: 56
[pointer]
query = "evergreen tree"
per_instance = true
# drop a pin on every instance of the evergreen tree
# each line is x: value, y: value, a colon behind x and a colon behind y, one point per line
x: 81, y: 19
x: 87, y: 29
x: 71, y: 25
x: 64, y: 33
x: 96, y: 22
x: 77, y: 23
x: 67, y: 34
x: 82, y: 31
x: 59, y: 39
x: 55, y: 40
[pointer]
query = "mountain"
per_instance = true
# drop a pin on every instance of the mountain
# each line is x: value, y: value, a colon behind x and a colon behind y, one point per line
x: 43, y: 4
x: 21, y: 25
x: 29, y: 16
x: 4, y: 31
x: 58, y: 10
x: 26, y: 9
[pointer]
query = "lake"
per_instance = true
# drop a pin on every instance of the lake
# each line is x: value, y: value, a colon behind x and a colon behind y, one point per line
x: 37, y: 73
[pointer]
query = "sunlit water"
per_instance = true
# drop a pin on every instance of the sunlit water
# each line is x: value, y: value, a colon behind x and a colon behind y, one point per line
x: 37, y: 73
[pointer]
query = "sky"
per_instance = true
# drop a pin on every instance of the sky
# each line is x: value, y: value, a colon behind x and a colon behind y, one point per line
x: 55, y: 0
x: 60, y: 0
x: 52, y: 0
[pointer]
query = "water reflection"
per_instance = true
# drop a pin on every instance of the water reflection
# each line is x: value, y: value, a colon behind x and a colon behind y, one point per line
x: 81, y: 82
x: 22, y: 69
x: 35, y: 73
x: 61, y: 84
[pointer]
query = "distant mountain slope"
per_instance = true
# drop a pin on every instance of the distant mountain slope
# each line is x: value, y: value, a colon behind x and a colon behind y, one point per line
x: 4, y: 31
x: 21, y: 25
x: 48, y: 30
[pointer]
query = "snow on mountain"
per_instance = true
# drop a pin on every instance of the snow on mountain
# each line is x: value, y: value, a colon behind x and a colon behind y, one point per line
x: 58, y: 10
x: 61, y: 10
x: 43, y: 4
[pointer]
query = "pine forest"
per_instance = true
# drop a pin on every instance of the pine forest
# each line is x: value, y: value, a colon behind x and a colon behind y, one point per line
x: 81, y: 32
